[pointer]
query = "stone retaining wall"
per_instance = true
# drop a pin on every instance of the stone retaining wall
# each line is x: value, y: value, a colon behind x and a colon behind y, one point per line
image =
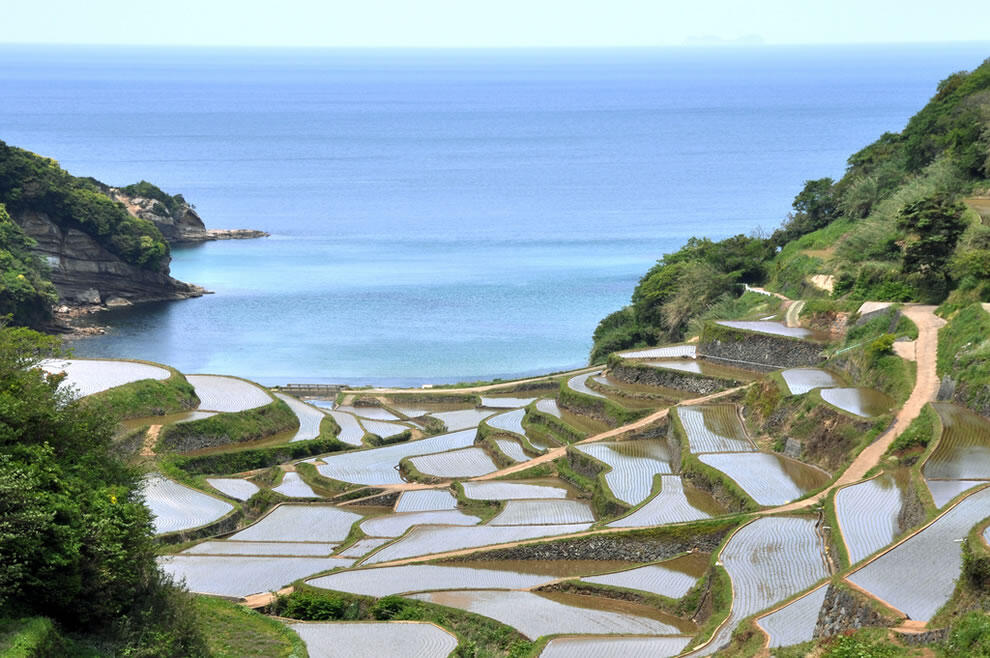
x: 638, y: 373
x: 843, y: 611
x: 755, y: 350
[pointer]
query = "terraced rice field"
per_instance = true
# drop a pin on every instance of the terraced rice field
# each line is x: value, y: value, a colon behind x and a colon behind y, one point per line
x: 945, y: 490
x: 867, y: 513
x: 673, y: 578
x: 393, y: 525
x: 768, y: 561
x: 89, y: 376
x: 801, y: 380
x: 579, y: 384
x: 768, y: 327
x: 666, y: 352
x: 795, y: 622
x: 634, y: 464
x: 350, y: 430
x: 863, y: 402
x: 549, y: 407
x: 309, y: 417
x: 384, y: 581
x: 462, y: 419
x: 261, y: 548
x: 668, y: 506
x: 294, y: 487
x: 714, y: 428
x: 466, y: 462
x: 382, y: 428
x: 225, y: 575
x: 379, y: 465
x: 362, y: 547
x: 510, y: 490
x: 375, y: 639
x: 410, y: 412
x: 512, y: 449
x: 510, y: 421
x: 627, y: 647
x: 908, y: 577
x: 426, y: 540
x: 426, y: 500
x: 769, y: 479
x: 227, y: 394
x: 543, y: 512
x: 235, y: 488
x: 534, y: 615
x: 319, y: 523
x: 963, y: 451
x: 178, y: 507
x: 370, y: 413
x: 505, y: 402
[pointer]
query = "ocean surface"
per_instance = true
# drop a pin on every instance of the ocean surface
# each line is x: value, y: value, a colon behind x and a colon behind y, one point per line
x: 443, y: 215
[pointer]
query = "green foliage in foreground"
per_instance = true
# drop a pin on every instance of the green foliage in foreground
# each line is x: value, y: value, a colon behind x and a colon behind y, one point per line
x: 26, y: 294
x: 76, y: 540
x: 234, y: 631
x: 478, y: 636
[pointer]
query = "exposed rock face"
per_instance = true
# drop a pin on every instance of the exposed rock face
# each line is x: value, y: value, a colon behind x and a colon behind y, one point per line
x: 84, y: 272
x: 179, y: 225
x: 843, y: 611
x: 757, y: 350
x: 638, y: 373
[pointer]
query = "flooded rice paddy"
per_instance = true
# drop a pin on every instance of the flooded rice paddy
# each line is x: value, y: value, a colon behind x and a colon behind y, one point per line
x: 175, y: 506
x: 580, y: 384
x: 309, y: 417
x: 908, y: 577
x: 671, y: 505
x: 634, y: 465
x: 383, y: 581
x: 466, y: 462
x: 802, y: 380
x: 512, y: 490
x: 426, y: 500
x: 351, y: 431
x: 665, y: 352
x: 294, y: 487
x: 770, y: 479
x: 944, y: 491
x: 963, y: 451
x: 370, y: 413
x: 775, y: 328
x: 543, y: 512
x: 375, y: 639
x: 462, y: 419
x: 393, y: 525
x: 261, y: 548
x: 379, y: 465
x: 227, y: 394
x: 672, y: 578
x: 867, y: 513
x: 507, y: 402
x: 235, y: 488
x: 795, y: 622
x: 627, y: 647
x: 863, y: 402
x: 510, y: 421
x: 714, y: 428
x: 237, y: 576
x: 89, y: 376
x: 548, y: 406
x: 382, y: 428
x: 362, y: 547
x: 319, y: 523
x: 511, y: 449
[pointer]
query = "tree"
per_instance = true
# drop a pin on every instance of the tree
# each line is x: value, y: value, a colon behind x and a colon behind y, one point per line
x: 934, y: 225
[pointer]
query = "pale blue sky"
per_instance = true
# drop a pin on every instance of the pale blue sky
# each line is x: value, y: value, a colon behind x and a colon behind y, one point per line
x: 493, y: 23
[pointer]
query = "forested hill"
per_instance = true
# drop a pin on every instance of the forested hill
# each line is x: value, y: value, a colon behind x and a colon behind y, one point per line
x: 901, y: 225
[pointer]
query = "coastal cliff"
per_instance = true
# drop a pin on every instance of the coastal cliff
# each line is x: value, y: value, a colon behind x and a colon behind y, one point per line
x: 98, y: 245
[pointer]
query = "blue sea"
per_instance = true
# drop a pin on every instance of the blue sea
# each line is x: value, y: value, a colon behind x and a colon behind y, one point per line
x: 441, y: 216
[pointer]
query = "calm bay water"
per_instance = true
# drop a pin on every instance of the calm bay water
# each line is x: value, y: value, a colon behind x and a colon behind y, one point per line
x: 438, y: 216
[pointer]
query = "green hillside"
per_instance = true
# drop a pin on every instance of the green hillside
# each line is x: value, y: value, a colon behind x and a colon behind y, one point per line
x: 896, y: 227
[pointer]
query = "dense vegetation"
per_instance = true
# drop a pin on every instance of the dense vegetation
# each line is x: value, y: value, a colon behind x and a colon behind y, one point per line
x: 76, y: 540
x: 26, y: 294
x: 892, y: 229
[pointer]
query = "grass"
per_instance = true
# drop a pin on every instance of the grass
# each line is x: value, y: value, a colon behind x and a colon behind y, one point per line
x: 604, y: 409
x: 964, y: 354
x: 30, y: 637
x: 918, y: 435
x: 840, y: 553
x: 148, y: 397
x: 233, y: 631
x: 226, y: 428
x: 486, y: 509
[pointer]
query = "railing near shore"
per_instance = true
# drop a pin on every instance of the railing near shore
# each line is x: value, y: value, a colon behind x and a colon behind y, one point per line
x: 316, y: 390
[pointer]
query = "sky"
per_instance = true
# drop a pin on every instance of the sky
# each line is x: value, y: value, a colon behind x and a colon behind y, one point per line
x: 490, y: 23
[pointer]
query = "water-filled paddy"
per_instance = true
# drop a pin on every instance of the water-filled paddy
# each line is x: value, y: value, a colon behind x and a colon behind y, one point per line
x: 795, y: 622
x: 379, y: 465
x: 671, y: 505
x: 579, y: 384
x: 672, y: 578
x: 362, y: 547
x: 426, y: 500
x: 801, y: 380
x: 665, y: 352
x: 175, y: 506
x: 548, y: 406
x: 371, y: 413
x: 945, y: 490
x: 234, y: 487
x: 506, y: 402
x: 535, y: 615
x: 512, y: 490
x: 382, y: 581
x: 909, y: 578
x: 963, y: 451
x: 551, y: 569
x: 89, y: 376
x: 770, y: 479
x: 775, y: 328
x: 293, y: 486
x: 634, y: 465
x: 864, y: 402
x: 465, y: 462
x: 628, y: 647
x: 261, y: 548
x: 714, y: 428
x: 350, y: 430
x: 319, y: 523
x: 227, y: 394
x: 309, y: 417
x: 510, y: 421
x: 393, y: 525
x: 541, y: 512
x: 511, y: 449
x: 239, y: 576
x: 462, y: 419
x: 867, y: 513
x: 383, y: 428
x: 375, y: 639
